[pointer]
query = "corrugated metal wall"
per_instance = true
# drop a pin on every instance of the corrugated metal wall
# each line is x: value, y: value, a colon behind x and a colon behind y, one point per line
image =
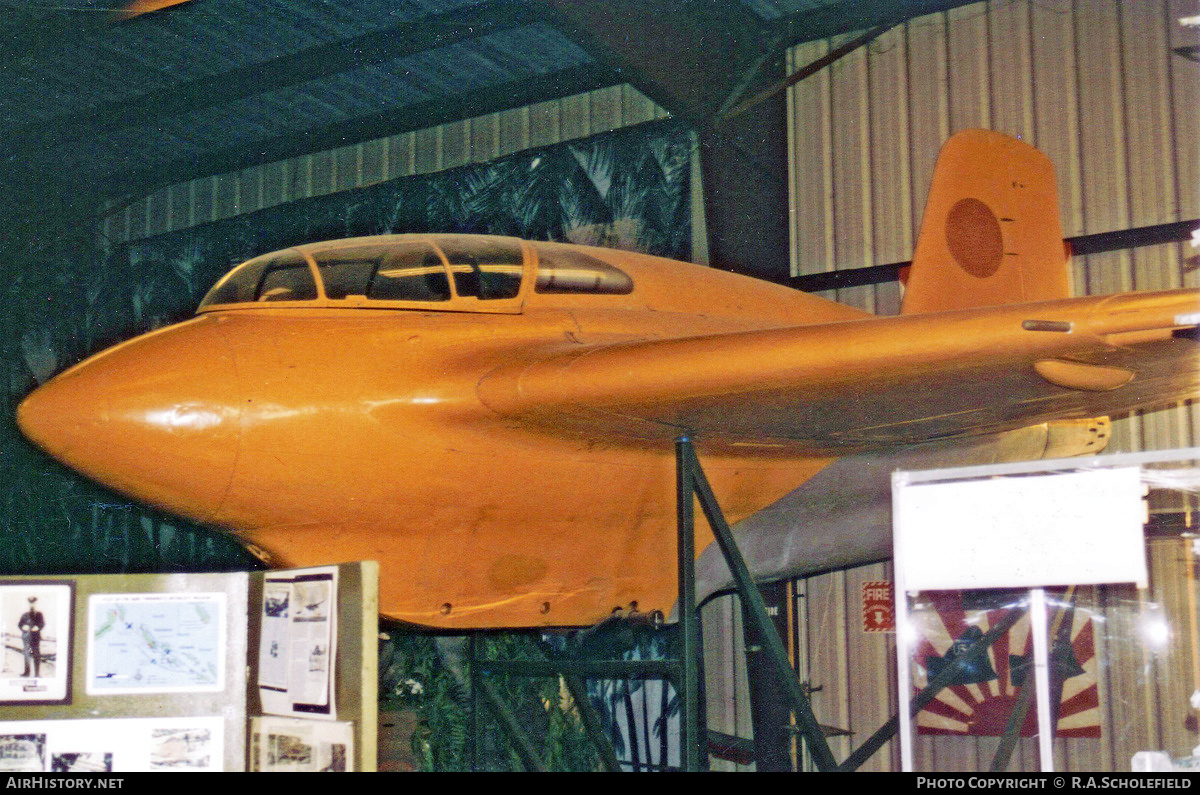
x: 476, y: 140
x: 726, y: 687
x: 1094, y: 85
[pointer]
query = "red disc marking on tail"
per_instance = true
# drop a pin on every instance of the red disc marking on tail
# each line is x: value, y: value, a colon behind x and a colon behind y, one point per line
x: 973, y: 235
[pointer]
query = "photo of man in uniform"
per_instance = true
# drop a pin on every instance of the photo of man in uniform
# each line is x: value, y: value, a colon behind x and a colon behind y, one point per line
x: 31, y: 624
x: 35, y: 641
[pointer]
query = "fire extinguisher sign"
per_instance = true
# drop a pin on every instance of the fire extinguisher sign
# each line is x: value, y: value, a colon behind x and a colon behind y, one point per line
x: 879, y: 614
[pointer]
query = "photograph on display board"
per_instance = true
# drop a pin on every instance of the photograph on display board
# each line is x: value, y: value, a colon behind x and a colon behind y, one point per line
x: 35, y: 624
x: 114, y: 745
x: 23, y: 753
x: 90, y: 762
x: 280, y: 745
x: 191, y: 748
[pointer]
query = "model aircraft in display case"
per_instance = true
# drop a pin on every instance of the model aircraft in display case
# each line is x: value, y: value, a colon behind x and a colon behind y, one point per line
x: 492, y: 419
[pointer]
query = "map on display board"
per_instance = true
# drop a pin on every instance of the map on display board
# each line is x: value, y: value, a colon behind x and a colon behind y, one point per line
x: 156, y: 643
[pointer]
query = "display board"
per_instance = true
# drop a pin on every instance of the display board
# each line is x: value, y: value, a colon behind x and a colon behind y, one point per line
x: 161, y: 672
x: 312, y: 710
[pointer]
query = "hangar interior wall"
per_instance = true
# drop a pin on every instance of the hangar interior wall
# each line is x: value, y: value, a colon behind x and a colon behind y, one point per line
x: 1093, y: 83
x: 477, y: 140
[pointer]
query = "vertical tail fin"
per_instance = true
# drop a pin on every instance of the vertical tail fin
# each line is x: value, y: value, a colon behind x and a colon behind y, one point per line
x: 991, y: 232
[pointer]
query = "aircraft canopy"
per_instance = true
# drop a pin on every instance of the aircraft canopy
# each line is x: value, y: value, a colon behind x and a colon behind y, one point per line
x: 460, y: 272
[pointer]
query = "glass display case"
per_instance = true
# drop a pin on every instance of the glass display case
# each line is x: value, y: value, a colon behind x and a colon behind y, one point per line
x: 1056, y: 629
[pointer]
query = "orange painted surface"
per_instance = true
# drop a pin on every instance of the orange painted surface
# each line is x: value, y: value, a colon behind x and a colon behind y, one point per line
x: 138, y: 7
x: 504, y: 448
x: 323, y: 434
x: 991, y: 232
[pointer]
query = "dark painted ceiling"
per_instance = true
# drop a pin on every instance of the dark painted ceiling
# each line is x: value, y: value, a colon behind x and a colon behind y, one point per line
x: 118, y: 106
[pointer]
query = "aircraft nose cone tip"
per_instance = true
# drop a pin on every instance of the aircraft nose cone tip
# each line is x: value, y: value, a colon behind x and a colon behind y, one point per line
x: 43, y: 420
x: 156, y: 419
x: 28, y: 421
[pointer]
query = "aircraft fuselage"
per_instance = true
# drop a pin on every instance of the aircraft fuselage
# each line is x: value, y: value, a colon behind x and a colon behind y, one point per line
x: 322, y: 433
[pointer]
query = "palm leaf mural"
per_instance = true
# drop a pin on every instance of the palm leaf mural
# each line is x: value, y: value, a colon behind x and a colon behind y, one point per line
x: 666, y: 213
x: 365, y: 215
x: 406, y: 208
x: 161, y: 296
x: 586, y: 216
x: 533, y: 197
x: 482, y: 204
x: 446, y: 210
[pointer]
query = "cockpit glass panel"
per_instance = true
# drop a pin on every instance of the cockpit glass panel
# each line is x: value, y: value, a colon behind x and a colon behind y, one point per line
x: 566, y: 270
x: 287, y: 283
x: 485, y: 268
x: 281, y: 276
x: 410, y: 271
x: 346, y: 278
x: 403, y: 269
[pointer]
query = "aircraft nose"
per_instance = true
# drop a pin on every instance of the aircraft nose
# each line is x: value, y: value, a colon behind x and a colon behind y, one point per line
x: 155, y: 418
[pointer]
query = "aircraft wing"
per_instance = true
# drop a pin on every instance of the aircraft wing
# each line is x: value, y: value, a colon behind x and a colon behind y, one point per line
x: 873, y: 383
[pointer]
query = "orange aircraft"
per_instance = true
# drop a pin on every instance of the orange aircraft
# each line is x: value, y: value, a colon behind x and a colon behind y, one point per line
x: 493, y: 419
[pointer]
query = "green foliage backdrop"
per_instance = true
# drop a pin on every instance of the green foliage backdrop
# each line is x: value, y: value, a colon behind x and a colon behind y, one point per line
x: 431, y: 676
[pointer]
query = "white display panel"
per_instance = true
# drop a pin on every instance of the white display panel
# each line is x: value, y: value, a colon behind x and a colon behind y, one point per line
x: 296, y: 669
x: 113, y: 745
x: 1078, y: 527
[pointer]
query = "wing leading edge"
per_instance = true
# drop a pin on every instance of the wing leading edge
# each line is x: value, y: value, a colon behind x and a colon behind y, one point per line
x: 872, y: 384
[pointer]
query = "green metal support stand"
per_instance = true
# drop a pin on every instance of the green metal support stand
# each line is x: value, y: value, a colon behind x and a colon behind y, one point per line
x: 694, y: 483
x: 521, y: 740
x: 684, y: 673
x: 686, y: 469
